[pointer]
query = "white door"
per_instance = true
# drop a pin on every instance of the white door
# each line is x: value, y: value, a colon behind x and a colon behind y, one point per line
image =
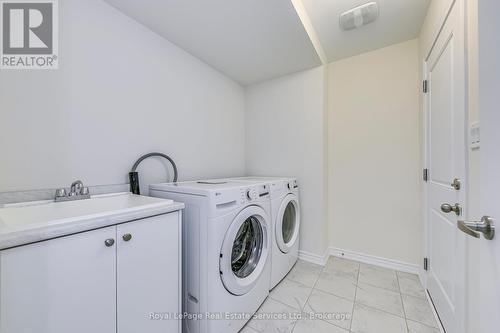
x: 61, y: 285
x: 445, y: 159
x: 148, y: 279
x: 489, y: 112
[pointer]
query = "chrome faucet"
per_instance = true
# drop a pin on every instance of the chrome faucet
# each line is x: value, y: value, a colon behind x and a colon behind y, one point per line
x: 77, y: 191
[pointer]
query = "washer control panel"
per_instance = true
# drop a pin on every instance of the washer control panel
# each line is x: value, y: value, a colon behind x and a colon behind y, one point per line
x: 253, y: 193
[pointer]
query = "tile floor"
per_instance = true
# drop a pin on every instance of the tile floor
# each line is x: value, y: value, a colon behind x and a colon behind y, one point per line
x: 345, y: 296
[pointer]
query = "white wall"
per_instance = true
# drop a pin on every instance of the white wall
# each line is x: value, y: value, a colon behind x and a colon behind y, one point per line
x: 285, y: 136
x: 120, y: 91
x: 374, y: 154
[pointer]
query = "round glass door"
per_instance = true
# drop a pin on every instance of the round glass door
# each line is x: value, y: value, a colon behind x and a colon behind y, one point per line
x: 287, y: 223
x: 247, y: 247
x: 244, y: 250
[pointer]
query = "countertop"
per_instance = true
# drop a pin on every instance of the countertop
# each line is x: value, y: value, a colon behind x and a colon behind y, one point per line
x: 31, y: 222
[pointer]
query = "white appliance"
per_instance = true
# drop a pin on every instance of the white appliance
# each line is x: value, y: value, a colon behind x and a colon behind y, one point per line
x: 226, y: 251
x: 285, y: 216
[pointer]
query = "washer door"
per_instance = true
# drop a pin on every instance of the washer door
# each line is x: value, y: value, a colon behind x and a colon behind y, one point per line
x: 244, y: 251
x: 287, y: 223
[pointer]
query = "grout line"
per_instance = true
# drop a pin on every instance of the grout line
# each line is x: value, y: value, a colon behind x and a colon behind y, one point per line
x: 384, y: 311
x: 314, y: 288
x: 309, y: 296
x: 402, y: 303
x: 355, y: 295
x: 307, y: 299
x: 426, y: 325
x: 379, y: 287
x: 283, y: 303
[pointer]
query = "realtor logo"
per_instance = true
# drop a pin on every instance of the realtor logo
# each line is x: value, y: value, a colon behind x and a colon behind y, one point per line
x: 29, y: 34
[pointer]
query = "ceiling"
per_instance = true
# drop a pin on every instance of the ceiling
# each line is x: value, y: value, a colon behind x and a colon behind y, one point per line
x: 248, y: 40
x: 399, y: 20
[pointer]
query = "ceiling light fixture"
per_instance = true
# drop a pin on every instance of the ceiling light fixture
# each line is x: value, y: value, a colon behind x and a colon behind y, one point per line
x: 359, y: 16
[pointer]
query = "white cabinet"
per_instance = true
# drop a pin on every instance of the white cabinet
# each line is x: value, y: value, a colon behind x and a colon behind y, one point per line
x: 148, y: 280
x: 61, y: 285
x: 80, y: 284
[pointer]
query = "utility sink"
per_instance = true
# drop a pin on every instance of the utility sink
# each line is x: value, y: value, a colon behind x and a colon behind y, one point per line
x: 29, y: 222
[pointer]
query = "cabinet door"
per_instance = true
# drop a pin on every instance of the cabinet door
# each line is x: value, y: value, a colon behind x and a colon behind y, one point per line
x: 148, y: 275
x: 61, y: 285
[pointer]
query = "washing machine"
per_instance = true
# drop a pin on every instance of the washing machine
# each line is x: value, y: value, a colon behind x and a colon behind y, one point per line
x: 285, y: 216
x: 226, y: 251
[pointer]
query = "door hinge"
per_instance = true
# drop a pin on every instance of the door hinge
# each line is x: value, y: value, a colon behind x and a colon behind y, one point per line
x: 425, y: 175
x: 425, y: 86
x: 426, y: 264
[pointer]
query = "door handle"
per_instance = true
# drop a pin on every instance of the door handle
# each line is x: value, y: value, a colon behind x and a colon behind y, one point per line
x: 447, y: 208
x: 486, y: 226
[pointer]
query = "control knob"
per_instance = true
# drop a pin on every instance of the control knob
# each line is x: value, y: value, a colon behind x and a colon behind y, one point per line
x: 252, y: 195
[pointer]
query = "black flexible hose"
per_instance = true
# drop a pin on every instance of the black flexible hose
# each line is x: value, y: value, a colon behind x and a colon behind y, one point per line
x: 134, y: 175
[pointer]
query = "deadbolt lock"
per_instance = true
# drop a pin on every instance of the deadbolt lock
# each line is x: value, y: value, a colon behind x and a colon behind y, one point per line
x: 447, y: 208
x: 457, y: 184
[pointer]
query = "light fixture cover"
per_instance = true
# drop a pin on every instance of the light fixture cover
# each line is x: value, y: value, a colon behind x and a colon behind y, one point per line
x: 359, y: 16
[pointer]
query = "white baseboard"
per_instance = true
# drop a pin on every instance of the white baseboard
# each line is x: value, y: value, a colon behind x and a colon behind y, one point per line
x: 374, y: 260
x: 361, y: 257
x: 314, y: 258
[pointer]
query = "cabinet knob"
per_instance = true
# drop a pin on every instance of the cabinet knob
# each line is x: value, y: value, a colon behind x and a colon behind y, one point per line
x: 127, y: 237
x: 109, y: 242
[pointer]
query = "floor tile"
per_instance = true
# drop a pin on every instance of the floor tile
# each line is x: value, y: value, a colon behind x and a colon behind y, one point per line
x: 305, y: 273
x: 344, y: 268
x: 378, y: 277
x: 382, y: 299
x: 369, y: 320
x: 316, y: 326
x: 248, y: 329
x: 291, y: 293
x: 415, y: 327
x: 409, y: 284
x: 334, y: 309
x: 274, y: 317
x: 419, y: 309
x: 333, y: 284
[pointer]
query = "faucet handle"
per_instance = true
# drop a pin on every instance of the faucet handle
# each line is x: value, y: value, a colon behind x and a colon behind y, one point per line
x: 85, y: 191
x: 60, y: 192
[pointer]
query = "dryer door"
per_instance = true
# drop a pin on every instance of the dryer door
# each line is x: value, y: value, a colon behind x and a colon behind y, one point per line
x: 245, y: 250
x: 287, y: 223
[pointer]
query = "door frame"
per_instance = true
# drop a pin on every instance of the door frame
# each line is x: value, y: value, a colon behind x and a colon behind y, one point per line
x: 426, y: 149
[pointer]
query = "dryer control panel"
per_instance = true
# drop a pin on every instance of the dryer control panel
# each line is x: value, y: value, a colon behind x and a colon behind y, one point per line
x: 292, y: 185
